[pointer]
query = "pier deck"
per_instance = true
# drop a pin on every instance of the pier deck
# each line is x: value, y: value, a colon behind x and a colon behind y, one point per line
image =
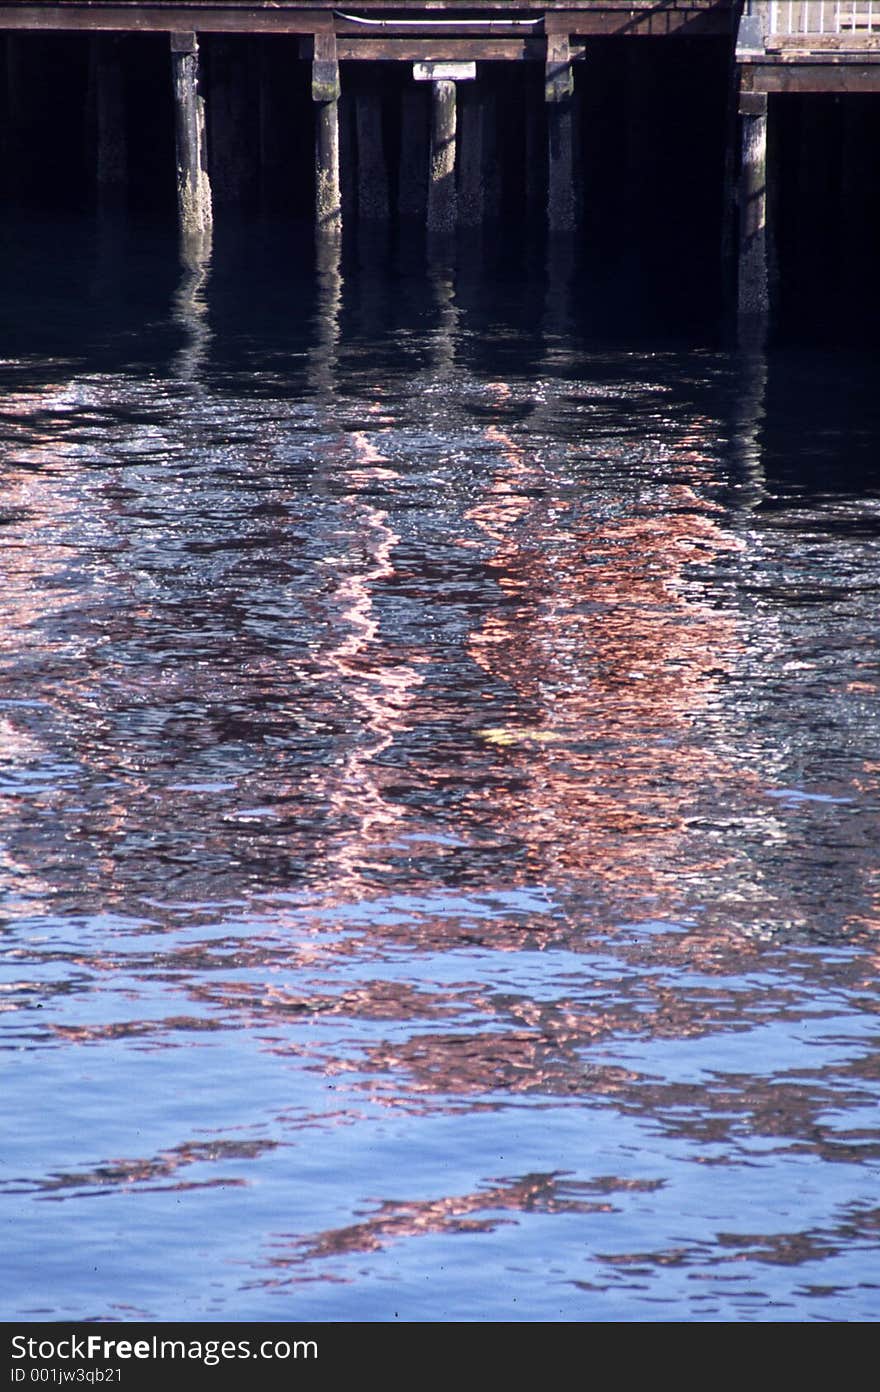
x: 447, y: 132
x: 380, y: 21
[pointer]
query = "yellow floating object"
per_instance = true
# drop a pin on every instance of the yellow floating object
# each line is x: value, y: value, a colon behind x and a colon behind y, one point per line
x: 501, y: 735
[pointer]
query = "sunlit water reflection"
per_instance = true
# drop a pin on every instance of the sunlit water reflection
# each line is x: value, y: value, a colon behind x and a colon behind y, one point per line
x: 439, y: 801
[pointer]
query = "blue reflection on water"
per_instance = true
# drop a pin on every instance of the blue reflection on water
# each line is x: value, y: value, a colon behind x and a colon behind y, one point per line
x: 439, y: 796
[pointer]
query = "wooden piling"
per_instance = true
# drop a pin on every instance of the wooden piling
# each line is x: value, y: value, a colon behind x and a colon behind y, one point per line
x: 493, y: 146
x: 325, y: 94
x: 106, y: 83
x: 442, y: 202
x: 266, y: 123
x: 233, y: 167
x: 372, y: 168
x: 558, y: 93
x: 471, y: 189
x: 536, y: 144
x: 730, y: 197
x: 412, y: 184
x: 348, y: 191
x: 753, y: 298
x: 193, y: 185
x: 14, y: 116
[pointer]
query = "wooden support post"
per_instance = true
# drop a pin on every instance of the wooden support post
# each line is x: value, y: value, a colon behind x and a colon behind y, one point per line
x: 232, y: 162
x: 558, y: 93
x: 471, y: 188
x: 854, y: 218
x: 442, y: 203
x: 372, y: 170
x: 348, y: 193
x: 325, y: 94
x: 15, y: 114
x: 729, y: 201
x: 493, y: 145
x: 412, y: 185
x: 753, y: 299
x: 535, y: 142
x: 853, y: 187
x: 193, y: 186
x: 268, y: 126
x: 111, y: 164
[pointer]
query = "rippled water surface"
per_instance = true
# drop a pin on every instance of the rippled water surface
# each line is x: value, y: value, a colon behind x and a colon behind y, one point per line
x: 439, y: 786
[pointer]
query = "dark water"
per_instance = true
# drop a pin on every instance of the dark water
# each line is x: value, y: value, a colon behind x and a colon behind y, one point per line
x: 439, y: 793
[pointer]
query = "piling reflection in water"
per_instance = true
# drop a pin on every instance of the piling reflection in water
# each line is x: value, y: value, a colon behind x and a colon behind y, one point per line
x: 439, y: 801
x: 190, y: 312
x: 613, y: 662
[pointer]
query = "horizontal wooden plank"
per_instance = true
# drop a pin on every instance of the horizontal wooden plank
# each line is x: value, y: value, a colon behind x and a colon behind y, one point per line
x: 837, y: 78
x: 852, y: 41
x: 444, y: 50
x: 367, y: 27
x: 564, y: 10
x: 444, y: 72
x: 161, y: 19
x: 656, y: 17
x: 584, y: 23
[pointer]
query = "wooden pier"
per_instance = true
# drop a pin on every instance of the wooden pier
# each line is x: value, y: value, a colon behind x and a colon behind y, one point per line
x: 437, y: 58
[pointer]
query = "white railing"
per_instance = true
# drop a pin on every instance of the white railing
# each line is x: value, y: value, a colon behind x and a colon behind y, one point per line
x: 844, y: 17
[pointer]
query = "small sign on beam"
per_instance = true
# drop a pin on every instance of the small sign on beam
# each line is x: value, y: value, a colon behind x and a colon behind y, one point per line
x: 444, y: 72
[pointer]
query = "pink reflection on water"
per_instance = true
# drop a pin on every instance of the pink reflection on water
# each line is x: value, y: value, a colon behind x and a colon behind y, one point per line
x: 615, y: 660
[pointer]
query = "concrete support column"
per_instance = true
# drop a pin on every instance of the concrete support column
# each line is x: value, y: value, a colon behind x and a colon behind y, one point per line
x: 558, y: 94
x: 105, y: 75
x: 193, y: 185
x: 753, y: 298
x: 325, y: 94
x: 442, y: 200
x: 372, y: 169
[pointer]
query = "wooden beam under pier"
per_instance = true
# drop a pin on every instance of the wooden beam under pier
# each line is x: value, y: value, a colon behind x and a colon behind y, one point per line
x: 443, y: 49
x: 838, y: 78
x: 650, y: 18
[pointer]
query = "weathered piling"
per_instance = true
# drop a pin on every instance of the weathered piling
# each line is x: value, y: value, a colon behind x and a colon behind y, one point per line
x: 753, y: 298
x: 266, y: 125
x: 442, y: 201
x: 111, y: 155
x: 348, y: 191
x: 325, y: 94
x: 494, y: 145
x: 471, y: 186
x: 536, y: 144
x: 194, y: 208
x: 412, y: 178
x: 558, y: 93
x: 640, y: 172
x: 229, y: 104
x: 373, y: 203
